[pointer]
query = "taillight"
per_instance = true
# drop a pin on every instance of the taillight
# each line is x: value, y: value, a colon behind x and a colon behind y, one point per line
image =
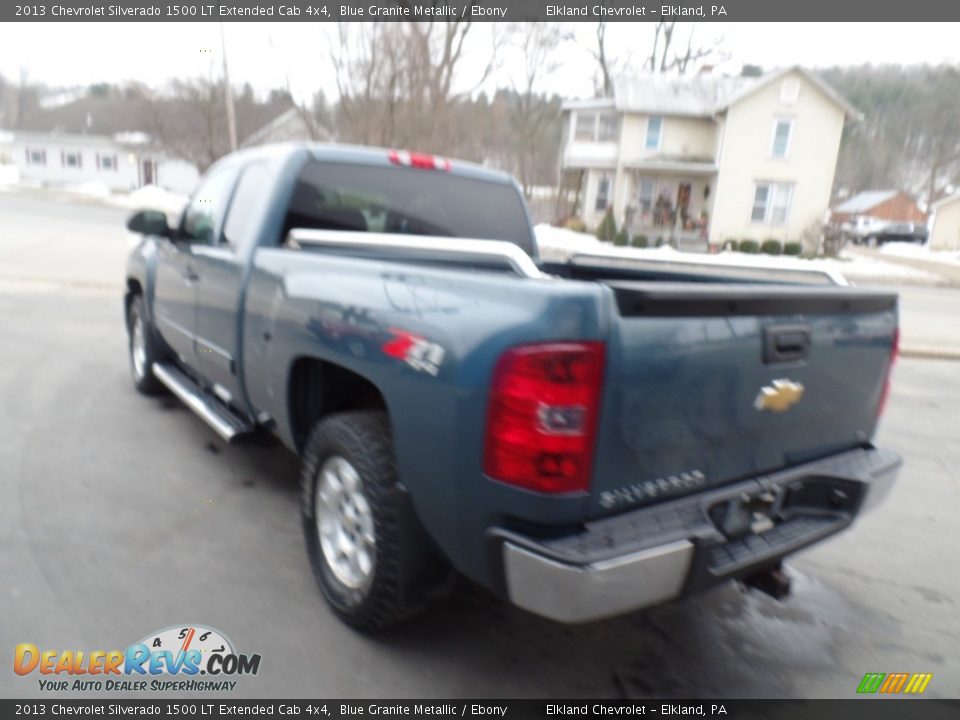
x: 542, y: 418
x: 422, y: 161
x: 894, y: 353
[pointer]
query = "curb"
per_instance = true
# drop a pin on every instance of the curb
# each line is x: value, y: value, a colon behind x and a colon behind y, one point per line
x: 929, y: 353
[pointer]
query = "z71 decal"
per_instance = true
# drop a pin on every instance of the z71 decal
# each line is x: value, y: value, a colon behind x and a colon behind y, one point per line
x: 416, y: 351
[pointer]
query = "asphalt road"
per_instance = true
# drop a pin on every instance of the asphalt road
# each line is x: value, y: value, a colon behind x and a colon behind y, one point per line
x: 121, y: 515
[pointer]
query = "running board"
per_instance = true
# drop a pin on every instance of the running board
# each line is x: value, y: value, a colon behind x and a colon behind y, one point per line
x: 225, y: 423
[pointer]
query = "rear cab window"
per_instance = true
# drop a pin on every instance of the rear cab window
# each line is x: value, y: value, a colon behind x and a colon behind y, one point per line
x: 406, y: 201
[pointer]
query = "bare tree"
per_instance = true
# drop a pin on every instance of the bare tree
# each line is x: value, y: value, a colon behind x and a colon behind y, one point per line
x: 539, y: 44
x: 190, y: 125
x: 666, y: 53
x: 399, y: 83
x: 665, y: 57
x: 603, y: 61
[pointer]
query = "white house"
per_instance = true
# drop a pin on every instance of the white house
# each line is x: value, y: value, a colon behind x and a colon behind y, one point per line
x: 107, y: 140
x: 96, y: 140
x: 709, y: 156
x: 945, y: 224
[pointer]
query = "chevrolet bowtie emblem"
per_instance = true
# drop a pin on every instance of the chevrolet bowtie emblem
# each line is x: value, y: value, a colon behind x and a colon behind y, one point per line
x: 779, y: 396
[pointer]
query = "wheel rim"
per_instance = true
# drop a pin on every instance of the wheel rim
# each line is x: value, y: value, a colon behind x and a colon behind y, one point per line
x: 138, y: 347
x: 345, y: 524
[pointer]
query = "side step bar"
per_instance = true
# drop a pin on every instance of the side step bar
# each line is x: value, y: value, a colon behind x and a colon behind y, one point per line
x: 225, y: 423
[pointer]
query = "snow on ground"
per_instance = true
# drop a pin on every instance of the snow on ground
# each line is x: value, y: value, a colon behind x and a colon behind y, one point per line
x: 94, y: 188
x: 921, y: 252
x: 151, y: 197
x: 559, y: 243
x: 9, y: 175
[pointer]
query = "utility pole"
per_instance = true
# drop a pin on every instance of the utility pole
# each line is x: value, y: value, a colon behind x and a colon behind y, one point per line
x: 231, y: 118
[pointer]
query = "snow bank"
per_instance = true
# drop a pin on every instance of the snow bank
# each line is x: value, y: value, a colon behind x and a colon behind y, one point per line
x: 9, y: 175
x: 559, y: 243
x: 921, y: 252
x: 151, y: 197
x: 94, y: 188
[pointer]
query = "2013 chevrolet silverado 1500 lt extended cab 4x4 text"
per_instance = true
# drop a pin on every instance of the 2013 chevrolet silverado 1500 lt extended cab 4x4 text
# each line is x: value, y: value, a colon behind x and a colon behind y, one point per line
x: 584, y: 438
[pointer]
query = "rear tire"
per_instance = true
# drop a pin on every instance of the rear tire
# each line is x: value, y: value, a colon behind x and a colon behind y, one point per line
x: 142, y: 348
x: 366, y: 548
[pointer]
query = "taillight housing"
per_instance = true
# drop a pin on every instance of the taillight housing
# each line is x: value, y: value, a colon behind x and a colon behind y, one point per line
x: 542, y: 417
x: 885, y: 393
x: 422, y: 161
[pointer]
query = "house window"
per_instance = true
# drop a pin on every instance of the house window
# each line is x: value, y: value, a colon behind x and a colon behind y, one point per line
x: 603, y: 194
x: 586, y: 126
x: 771, y: 203
x: 645, y: 196
x: 593, y: 127
x: 789, y: 91
x: 36, y: 157
x: 107, y: 162
x: 654, y: 132
x: 71, y: 160
x: 609, y: 128
x: 782, y: 130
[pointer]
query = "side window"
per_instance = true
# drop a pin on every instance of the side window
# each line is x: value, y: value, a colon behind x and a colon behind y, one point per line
x: 206, y: 207
x: 249, y: 190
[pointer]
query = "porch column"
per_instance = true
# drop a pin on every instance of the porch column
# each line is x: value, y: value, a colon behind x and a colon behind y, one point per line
x: 621, y: 193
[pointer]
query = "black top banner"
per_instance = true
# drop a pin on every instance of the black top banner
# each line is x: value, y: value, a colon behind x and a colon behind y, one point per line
x: 480, y: 10
x: 210, y: 708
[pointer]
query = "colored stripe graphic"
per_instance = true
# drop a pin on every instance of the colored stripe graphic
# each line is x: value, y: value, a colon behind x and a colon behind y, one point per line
x: 918, y: 683
x: 894, y: 683
x: 871, y: 682
x: 913, y: 683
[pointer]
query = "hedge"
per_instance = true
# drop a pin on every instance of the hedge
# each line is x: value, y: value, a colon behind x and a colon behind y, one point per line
x: 792, y: 248
x: 639, y: 241
x: 748, y: 246
x: 608, y: 227
x: 771, y: 247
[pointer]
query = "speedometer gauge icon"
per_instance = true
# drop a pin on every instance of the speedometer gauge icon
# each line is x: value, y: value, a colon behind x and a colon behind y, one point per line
x: 183, y: 638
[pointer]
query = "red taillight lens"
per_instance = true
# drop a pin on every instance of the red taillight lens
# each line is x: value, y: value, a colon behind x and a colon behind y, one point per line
x: 423, y: 161
x: 885, y: 393
x: 542, y: 419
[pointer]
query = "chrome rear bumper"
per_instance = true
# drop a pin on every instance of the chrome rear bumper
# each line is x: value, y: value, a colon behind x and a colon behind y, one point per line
x: 618, y: 565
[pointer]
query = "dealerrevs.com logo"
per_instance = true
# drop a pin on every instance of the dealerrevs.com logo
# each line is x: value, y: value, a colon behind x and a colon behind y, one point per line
x: 172, y: 659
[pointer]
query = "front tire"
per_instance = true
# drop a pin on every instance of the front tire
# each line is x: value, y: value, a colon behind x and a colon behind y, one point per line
x: 365, y: 547
x: 142, y: 349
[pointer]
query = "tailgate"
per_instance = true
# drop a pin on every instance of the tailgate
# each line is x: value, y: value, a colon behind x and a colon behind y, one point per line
x: 711, y: 383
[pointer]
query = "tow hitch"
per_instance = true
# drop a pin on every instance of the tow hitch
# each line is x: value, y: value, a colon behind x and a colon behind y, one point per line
x: 773, y: 581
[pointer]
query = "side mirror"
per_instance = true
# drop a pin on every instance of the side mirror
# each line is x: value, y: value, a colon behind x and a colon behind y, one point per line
x: 149, y: 222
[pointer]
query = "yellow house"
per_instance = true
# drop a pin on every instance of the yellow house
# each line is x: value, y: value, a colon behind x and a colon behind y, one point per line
x: 707, y: 156
x: 945, y: 224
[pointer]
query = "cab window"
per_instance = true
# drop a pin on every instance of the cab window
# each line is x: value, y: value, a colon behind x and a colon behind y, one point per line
x: 201, y: 219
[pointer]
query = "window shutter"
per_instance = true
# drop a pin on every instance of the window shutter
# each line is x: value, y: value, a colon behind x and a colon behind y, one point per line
x: 114, y: 163
x: 98, y: 161
x: 28, y: 155
x: 79, y: 160
x: 63, y: 159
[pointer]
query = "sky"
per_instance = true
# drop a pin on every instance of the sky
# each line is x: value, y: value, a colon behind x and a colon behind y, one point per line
x: 269, y: 55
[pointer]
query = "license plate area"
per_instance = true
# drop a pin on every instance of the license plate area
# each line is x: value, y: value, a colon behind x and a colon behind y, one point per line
x: 772, y: 504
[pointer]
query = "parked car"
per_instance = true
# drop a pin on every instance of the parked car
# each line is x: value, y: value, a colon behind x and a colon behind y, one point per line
x: 583, y: 438
x: 897, y: 232
x: 859, y: 227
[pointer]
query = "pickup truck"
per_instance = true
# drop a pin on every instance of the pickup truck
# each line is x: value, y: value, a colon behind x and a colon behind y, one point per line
x: 583, y: 437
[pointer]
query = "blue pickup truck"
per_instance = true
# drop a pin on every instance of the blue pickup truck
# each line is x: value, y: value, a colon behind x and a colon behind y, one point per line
x: 584, y: 438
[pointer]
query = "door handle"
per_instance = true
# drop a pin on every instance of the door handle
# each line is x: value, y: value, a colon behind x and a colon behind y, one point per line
x: 785, y: 343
